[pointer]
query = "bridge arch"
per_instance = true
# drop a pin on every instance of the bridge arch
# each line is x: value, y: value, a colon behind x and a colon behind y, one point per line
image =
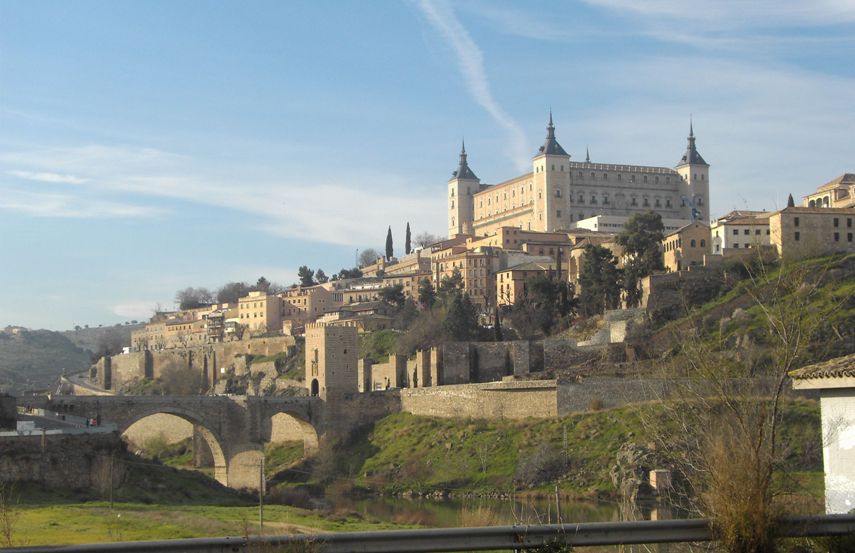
x: 285, y: 424
x: 214, y: 442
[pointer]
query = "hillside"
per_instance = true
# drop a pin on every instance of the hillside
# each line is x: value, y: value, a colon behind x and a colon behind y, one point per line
x: 33, y: 359
x: 407, y: 454
x: 95, y: 339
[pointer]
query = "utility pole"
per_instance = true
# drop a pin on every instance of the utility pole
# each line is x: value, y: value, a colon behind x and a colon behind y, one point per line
x: 261, y: 497
x: 111, y: 482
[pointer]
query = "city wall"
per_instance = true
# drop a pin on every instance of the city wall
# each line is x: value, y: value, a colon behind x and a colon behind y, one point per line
x: 80, y: 461
x: 118, y: 370
x: 495, y: 400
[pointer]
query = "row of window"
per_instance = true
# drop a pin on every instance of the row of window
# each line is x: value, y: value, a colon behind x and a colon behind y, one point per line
x: 747, y: 232
x: 835, y: 222
x: 797, y: 236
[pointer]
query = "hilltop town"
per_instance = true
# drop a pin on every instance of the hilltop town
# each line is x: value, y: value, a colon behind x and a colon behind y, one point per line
x: 581, y: 292
x: 570, y: 224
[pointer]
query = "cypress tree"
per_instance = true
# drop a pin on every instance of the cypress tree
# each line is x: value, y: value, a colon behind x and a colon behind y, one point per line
x: 407, y: 244
x: 389, y: 250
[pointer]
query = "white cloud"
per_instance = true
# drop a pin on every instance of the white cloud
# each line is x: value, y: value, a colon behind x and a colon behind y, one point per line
x: 135, y: 309
x: 766, y: 130
x: 48, y: 177
x: 351, y: 209
x: 470, y: 60
x: 738, y: 13
x: 64, y: 205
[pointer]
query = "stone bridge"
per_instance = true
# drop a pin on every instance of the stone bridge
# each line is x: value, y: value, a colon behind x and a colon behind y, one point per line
x: 235, y: 429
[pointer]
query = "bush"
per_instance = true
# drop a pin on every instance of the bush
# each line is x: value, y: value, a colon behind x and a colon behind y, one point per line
x: 546, y: 464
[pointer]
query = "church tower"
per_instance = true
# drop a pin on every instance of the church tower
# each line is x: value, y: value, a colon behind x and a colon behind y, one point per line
x: 695, y: 185
x: 551, y: 178
x: 462, y: 185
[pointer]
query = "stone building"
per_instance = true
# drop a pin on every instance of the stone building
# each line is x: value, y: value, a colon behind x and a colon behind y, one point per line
x: 558, y: 192
x: 686, y: 247
x: 331, y: 359
x: 740, y: 229
x: 511, y: 282
x: 799, y: 232
x: 839, y: 192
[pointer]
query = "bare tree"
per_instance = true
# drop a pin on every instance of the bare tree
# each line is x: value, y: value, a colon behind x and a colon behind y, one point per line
x: 190, y: 298
x: 180, y: 380
x: 368, y: 256
x: 425, y: 239
x: 721, y: 429
x: 8, y: 513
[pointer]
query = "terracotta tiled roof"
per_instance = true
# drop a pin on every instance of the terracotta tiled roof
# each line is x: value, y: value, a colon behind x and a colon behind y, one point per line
x: 839, y: 367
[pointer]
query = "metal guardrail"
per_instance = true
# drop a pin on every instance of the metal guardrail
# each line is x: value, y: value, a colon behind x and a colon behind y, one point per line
x: 466, y: 539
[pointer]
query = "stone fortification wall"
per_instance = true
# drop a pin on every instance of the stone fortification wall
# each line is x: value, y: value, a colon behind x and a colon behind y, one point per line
x: 464, y: 362
x: 497, y: 400
x: 63, y: 461
x: 358, y: 410
x: 119, y: 370
x: 604, y: 393
x: 391, y: 374
x: 564, y: 354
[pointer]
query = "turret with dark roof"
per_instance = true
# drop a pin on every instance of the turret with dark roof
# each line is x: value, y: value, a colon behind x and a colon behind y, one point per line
x: 692, y: 157
x: 463, y: 170
x: 551, y: 147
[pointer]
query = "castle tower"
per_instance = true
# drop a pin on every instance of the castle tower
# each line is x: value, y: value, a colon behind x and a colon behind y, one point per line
x: 461, y: 204
x: 695, y: 186
x: 331, y: 359
x: 551, y: 178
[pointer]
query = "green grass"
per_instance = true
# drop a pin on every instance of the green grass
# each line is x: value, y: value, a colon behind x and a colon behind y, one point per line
x: 278, y: 457
x: 97, y: 522
x: 403, y: 452
x: 420, y: 453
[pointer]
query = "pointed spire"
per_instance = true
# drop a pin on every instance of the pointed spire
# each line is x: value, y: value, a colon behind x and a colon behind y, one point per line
x: 691, y: 157
x: 587, y: 155
x: 463, y: 170
x: 790, y: 201
x: 551, y: 146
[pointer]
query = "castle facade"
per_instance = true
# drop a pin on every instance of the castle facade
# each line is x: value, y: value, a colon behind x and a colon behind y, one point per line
x: 558, y: 192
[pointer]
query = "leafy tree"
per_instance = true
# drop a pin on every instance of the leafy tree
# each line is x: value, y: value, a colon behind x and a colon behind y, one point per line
x: 321, y: 276
x: 497, y: 326
x: 407, y: 241
x: 368, y: 256
x: 262, y: 285
x: 450, y: 285
x: 641, y: 239
x: 190, y: 298
x: 349, y: 273
x: 390, y: 250
x: 306, y: 276
x: 406, y: 314
x: 544, y: 305
x: 425, y: 239
x: 600, y: 280
x: 427, y: 295
x: 461, y: 320
x: 393, y: 295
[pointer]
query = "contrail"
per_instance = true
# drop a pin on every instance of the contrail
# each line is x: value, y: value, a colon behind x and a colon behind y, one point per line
x: 470, y: 60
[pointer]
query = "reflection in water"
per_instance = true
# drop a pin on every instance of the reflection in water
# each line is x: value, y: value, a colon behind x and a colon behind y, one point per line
x: 483, y: 511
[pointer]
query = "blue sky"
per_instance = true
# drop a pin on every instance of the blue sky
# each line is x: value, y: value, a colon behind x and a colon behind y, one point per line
x: 149, y: 146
